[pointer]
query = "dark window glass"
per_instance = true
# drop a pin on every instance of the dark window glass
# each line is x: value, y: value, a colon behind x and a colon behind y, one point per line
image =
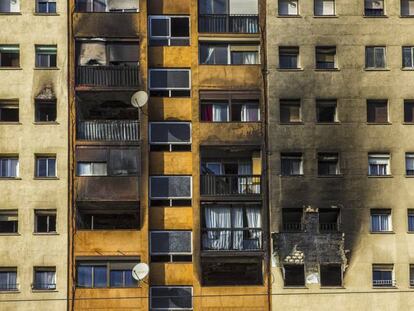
x: 45, y: 111
x: 171, y: 298
x: 221, y: 273
x: 46, y: 167
x: 326, y: 111
x: 171, y: 242
x: 409, y: 111
x: 45, y: 222
x: 99, y: 276
x: 377, y: 111
x: 107, y: 221
x: 294, y: 275
x: 292, y: 219
x: 8, y: 222
x: 288, y: 57
x: 46, y: 7
x: 9, y: 112
x: 84, y: 276
x: 170, y: 187
x: 44, y: 279
x: 291, y: 164
x: 411, y: 221
x: 180, y: 27
x: 328, y: 220
x: 331, y: 275
x: 328, y: 164
x: 290, y: 111
x: 375, y: 57
x: 213, y: 54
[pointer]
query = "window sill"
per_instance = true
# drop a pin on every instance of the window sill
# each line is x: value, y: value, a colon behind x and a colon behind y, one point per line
x: 295, y: 287
x: 408, y: 123
x: 406, y: 16
x: 292, y: 123
x: 327, y: 69
x: 46, y: 68
x: 331, y: 176
x: 288, y: 176
x: 290, y: 69
x: 325, y: 16
x: 384, y: 287
x: 44, y: 291
x: 10, y: 13
x: 10, y: 123
x: 409, y: 176
x: 379, y: 123
x: 46, y: 14
x: 407, y: 69
x: 377, y: 69
x: 46, y: 123
x: 45, y: 233
x: 382, y: 232
x: 108, y: 230
x: 289, y: 16
x: 9, y: 234
x: 11, y: 68
x: 375, y: 16
x: 46, y: 178
x: 329, y: 123
x: 380, y: 176
x: 6, y: 292
x: 10, y: 178
x: 333, y: 287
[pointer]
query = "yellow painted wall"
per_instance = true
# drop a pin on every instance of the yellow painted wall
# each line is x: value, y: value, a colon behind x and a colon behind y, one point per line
x: 170, y: 109
x: 165, y: 218
x: 171, y: 273
x: 170, y: 163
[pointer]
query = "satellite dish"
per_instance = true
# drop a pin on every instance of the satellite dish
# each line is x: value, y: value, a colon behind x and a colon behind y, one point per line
x: 140, y: 271
x: 139, y: 99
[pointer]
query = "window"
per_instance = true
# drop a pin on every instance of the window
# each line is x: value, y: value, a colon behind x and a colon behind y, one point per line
x: 290, y: 111
x: 326, y: 111
x: 46, y: 56
x: 45, y: 111
x: 377, y: 111
x: 171, y: 246
x: 381, y: 220
x: 408, y: 56
x: 215, y: 111
x: 289, y: 57
x: 170, y: 187
x: 374, y: 7
x: 170, y: 82
x: 228, y: 54
x: 9, y: 111
x: 288, y: 7
x: 383, y: 275
x: 107, y: 6
x: 8, y: 279
x: 292, y: 219
x: 408, y: 111
x: 9, y: 167
x: 294, y: 275
x: 169, y: 30
x: 331, y: 275
x: 325, y: 57
x: 328, y: 164
x: 44, y: 278
x: 9, y: 6
x: 407, y: 7
x: 375, y: 57
x: 8, y: 222
x: 9, y: 56
x: 379, y: 164
x: 121, y: 218
x: 411, y: 220
x: 103, y: 274
x: 92, y: 169
x: 171, y: 298
x: 329, y: 220
x: 45, y: 6
x: 324, y: 7
x: 409, y: 164
x: 170, y: 136
x: 45, y: 221
x: 45, y: 166
x: 291, y: 164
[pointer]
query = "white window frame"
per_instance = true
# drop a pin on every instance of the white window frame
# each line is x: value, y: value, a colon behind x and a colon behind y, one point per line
x: 9, y: 159
x: 412, y: 56
x: 230, y: 51
x: 389, y: 216
x: 321, y: 1
x: 48, y: 9
x: 10, y: 270
x: 169, y: 143
x: 171, y: 309
x: 297, y: 8
x: 374, y: 61
x: 386, y: 156
x: 171, y: 198
x: 91, y: 165
x: 48, y: 214
x: 169, y: 37
x: 382, y: 267
x: 38, y: 53
x: 47, y: 166
x: 169, y: 89
x: 171, y: 253
x: 45, y: 269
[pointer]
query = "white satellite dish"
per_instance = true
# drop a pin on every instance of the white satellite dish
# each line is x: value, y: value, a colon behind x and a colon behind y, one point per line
x: 140, y: 271
x: 139, y: 99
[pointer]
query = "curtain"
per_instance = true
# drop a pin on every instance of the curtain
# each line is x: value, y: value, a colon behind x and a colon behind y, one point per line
x: 207, y: 112
x: 380, y: 57
x: 245, y: 183
x: 288, y: 7
x: 250, y: 58
x: 250, y: 113
x: 220, y: 113
x: 84, y: 169
x: 45, y: 280
x: 407, y: 57
x: 217, y: 218
x: 380, y: 222
x: 237, y: 219
x: 254, y: 220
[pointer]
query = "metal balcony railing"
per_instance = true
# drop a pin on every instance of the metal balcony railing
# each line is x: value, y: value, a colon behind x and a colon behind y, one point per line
x: 108, y: 130
x: 232, y: 239
x: 384, y: 283
x: 44, y: 286
x: 222, y: 23
x: 5, y: 287
x: 292, y: 227
x: 230, y: 185
x: 328, y: 227
x: 107, y: 76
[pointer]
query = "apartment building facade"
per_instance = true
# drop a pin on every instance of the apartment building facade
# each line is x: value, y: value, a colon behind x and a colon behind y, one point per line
x: 33, y: 155
x: 340, y: 143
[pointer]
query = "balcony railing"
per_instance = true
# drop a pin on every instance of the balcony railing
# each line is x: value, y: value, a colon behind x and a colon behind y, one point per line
x: 44, y: 286
x: 292, y: 227
x: 6, y: 287
x: 230, y: 185
x: 217, y: 23
x: 226, y: 239
x: 107, y: 76
x: 108, y: 130
x: 384, y: 283
x: 328, y: 227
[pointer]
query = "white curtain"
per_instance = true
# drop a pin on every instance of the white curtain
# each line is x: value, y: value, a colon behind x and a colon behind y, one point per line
x: 209, y: 59
x: 237, y: 218
x: 243, y: 7
x: 410, y: 163
x: 245, y: 182
x: 250, y: 113
x: 220, y: 113
x: 254, y: 220
x: 217, y: 218
x: 45, y: 280
x: 250, y: 58
x: 84, y: 169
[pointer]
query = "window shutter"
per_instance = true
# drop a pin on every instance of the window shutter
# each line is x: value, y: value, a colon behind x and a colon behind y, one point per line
x: 244, y: 7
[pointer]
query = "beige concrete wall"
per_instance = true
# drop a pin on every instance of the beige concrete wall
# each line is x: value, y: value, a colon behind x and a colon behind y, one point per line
x: 353, y: 138
x: 26, y: 249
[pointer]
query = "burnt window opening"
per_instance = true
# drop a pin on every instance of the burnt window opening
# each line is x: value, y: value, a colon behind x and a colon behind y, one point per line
x: 9, y: 111
x: 328, y: 164
x: 171, y: 246
x: 294, y: 275
x: 45, y: 111
x: 331, y: 275
x: 292, y: 219
x: 290, y: 111
x: 170, y: 136
x: 10, y: 56
x: 108, y: 219
x: 291, y: 164
x: 45, y: 221
x: 377, y: 111
x: 233, y: 273
x: 9, y: 221
x: 126, y: 6
x: 326, y: 111
x: 329, y: 220
x: 169, y: 30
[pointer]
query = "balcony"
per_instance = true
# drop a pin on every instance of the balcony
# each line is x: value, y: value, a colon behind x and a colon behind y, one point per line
x: 224, y: 23
x: 225, y: 239
x: 108, y: 130
x: 292, y: 227
x: 230, y: 185
x: 107, y: 76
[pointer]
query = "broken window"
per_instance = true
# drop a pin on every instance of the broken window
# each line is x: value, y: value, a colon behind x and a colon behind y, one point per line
x: 9, y: 111
x: 46, y: 56
x: 375, y: 57
x: 381, y: 220
x: 170, y: 136
x: 325, y: 57
x: 9, y: 167
x: 45, y: 221
x: 46, y: 6
x: 8, y: 221
x: 379, y: 164
x: 228, y: 272
x: 106, y: 53
x: 9, y: 6
x: 326, y: 111
x: 171, y: 298
x: 45, y: 110
x: 383, y: 275
x: 294, y: 275
x: 288, y: 7
x: 328, y: 164
x: 377, y: 111
x: 290, y: 111
x: 408, y: 111
x: 374, y: 7
x: 171, y: 246
x: 9, y: 56
x: 118, y: 218
x: 291, y: 164
x: 292, y: 219
x: 170, y: 82
x: 328, y: 220
x: 289, y: 57
x: 169, y: 30
x: 107, y: 5
x: 331, y: 274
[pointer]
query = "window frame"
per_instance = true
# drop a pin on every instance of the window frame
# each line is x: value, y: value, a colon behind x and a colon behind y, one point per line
x: 170, y: 89
x: 327, y: 265
x: 47, y: 158
x: 170, y: 286
x: 284, y: 276
x: 326, y: 103
x: 338, y: 163
x: 290, y: 102
x: 288, y: 15
x: 375, y: 47
x: 48, y: 213
x: 410, y: 213
x: 287, y: 156
x: 47, y: 6
x: 169, y: 37
x: 91, y: 165
x: 9, y: 159
x: 378, y: 15
x: 10, y: 288
x: 386, y: 268
x: 380, y: 156
x: 39, y: 103
x: 13, y: 47
x: 11, y: 213
x: 324, y: 15
x: 256, y: 48
x: 411, y: 48
x: 170, y: 198
x: 298, y: 60
x: 49, y: 55
x: 402, y: 7
x: 375, y: 102
x: 53, y: 286
x: 380, y: 212
x: 9, y: 104
x: 169, y: 143
x: 320, y: 50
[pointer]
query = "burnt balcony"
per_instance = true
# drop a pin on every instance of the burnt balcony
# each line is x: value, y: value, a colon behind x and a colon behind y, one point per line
x: 110, y: 76
x: 225, y: 23
x: 234, y: 239
x: 108, y: 130
x: 230, y: 185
